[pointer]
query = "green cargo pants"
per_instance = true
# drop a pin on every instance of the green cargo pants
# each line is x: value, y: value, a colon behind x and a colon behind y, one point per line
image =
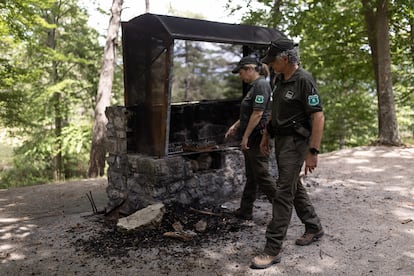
x: 257, y: 176
x: 290, y: 154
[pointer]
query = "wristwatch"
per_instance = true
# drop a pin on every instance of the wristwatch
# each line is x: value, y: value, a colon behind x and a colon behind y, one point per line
x: 314, y: 151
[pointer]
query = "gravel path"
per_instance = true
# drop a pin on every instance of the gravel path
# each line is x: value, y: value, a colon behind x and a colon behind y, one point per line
x: 364, y: 196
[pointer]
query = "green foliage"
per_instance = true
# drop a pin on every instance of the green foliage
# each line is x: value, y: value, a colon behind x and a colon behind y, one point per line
x: 334, y: 48
x: 402, y: 47
x: 234, y: 86
x: 49, y: 75
x: 406, y: 124
x: 33, y: 162
x: 335, y: 51
x: 29, y: 166
x: 18, y: 17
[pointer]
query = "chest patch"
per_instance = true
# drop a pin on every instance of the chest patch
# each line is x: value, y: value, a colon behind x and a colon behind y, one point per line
x: 259, y: 99
x: 289, y: 95
x: 313, y: 100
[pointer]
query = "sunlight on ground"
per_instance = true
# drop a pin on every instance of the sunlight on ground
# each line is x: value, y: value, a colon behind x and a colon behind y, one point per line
x: 362, y: 152
x: 409, y: 254
x: 12, y: 231
x: 356, y: 161
x: 5, y: 247
x: 403, y: 213
x: 402, y: 190
x: 9, y: 235
x: 361, y: 184
x: 14, y: 234
x: 410, y: 231
x: 327, y: 264
x: 12, y: 220
x: 15, y: 257
x: 370, y: 169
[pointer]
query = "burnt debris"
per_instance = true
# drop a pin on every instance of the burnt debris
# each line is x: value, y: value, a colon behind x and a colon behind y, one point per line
x: 106, y: 241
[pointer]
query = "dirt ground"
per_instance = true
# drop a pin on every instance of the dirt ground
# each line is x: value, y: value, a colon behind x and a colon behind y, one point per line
x: 364, y: 197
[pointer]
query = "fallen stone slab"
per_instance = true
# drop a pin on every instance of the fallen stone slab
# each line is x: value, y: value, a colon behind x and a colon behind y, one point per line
x: 148, y: 217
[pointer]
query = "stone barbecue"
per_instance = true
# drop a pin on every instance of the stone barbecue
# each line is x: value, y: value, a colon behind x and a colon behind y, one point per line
x: 165, y: 151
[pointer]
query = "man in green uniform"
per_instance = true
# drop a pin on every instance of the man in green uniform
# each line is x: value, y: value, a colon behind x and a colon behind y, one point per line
x: 297, y: 125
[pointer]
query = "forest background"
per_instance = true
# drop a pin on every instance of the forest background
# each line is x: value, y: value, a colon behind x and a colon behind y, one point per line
x: 50, y: 61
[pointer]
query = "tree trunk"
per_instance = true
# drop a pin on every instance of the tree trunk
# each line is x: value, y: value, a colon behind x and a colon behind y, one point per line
x: 341, y: 133
x: 103, y: 97
x: 147, y: 6
x: 187, y: 78
x: 277, y: 15
x: 57, y: 159
x: 378, y: 37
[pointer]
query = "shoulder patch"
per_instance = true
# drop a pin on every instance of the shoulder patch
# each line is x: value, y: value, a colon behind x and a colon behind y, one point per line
x: 259, y: 99
x: 313, y: 100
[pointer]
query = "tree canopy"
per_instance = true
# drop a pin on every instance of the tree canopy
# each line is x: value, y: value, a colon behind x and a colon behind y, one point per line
x: 50, y: 60
x: 334, y: 41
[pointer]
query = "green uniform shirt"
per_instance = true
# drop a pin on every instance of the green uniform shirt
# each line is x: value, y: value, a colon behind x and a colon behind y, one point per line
x: 294, y: 99
x: 258, y: 97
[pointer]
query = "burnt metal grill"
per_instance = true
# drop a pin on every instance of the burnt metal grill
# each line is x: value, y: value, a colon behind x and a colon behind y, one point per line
x: 166, y: 151
x: 158, y: 127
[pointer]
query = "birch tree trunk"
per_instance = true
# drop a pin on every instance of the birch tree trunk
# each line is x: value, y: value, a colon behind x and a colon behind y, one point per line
x: 147, y: 6
x: 103, y: 97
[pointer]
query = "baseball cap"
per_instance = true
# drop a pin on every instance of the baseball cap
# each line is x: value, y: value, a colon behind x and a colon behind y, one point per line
x: 276, y: 47
x: 244, y: 61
